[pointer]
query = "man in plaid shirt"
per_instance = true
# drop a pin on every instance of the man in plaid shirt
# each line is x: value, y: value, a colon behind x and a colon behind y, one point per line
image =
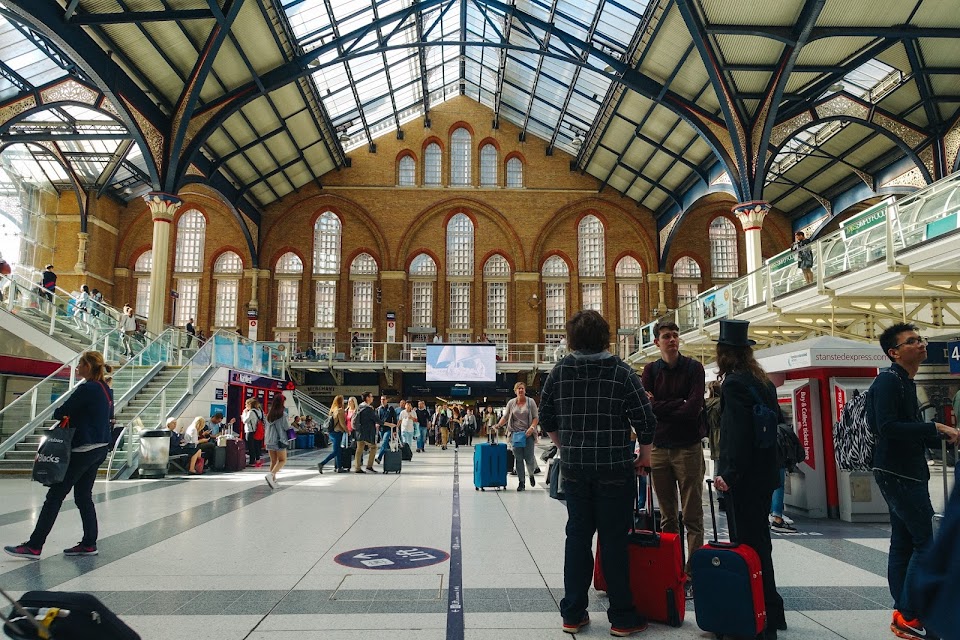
x: 589, y: 405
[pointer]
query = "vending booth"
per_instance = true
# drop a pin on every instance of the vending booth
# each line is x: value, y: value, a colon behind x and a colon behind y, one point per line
x: 814, y: 379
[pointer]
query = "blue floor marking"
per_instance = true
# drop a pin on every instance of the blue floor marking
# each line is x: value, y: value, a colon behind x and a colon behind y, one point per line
x: 455, y: 598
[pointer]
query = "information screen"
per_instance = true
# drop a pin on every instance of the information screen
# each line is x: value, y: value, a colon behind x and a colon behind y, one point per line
x: 461, y: 362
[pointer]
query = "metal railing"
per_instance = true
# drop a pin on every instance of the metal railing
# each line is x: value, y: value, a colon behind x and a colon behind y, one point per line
x: 394, y: 352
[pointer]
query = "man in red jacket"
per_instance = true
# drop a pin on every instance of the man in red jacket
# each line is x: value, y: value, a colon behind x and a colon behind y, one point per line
x: 675, y: 385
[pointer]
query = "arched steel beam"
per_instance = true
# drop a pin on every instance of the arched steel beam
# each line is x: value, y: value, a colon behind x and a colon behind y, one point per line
x: 217, y: 111
x: 47, y: 18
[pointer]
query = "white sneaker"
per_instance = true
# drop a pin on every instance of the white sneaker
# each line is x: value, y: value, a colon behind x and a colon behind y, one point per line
x: 270, y: 480
x: 786, y: 519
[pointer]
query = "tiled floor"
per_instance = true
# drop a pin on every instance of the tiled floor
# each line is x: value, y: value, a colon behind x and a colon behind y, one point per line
x: 225, y: 557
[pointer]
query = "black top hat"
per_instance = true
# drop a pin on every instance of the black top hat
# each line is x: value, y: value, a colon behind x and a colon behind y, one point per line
x: 734, y: 333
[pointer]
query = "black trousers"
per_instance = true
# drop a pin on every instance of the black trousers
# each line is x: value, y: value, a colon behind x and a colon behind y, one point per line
x: 253, y: 448
x: 80, y: 477
x: 747, y: 513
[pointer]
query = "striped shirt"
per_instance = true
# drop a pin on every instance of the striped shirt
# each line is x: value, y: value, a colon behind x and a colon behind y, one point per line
x: 594, y: 400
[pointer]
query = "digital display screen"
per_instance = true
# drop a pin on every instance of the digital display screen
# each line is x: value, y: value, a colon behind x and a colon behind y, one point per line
x: 461, y: 363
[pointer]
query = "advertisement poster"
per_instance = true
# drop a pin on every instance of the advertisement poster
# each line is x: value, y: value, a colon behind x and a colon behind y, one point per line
x: 716, y: 305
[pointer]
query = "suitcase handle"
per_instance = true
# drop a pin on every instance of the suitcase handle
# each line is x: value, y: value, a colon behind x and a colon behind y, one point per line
x: 649, y: 505
x: 713, y: 516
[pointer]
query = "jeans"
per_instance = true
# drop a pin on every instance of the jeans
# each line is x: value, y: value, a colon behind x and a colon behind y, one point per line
x: 80, y: 477
x: 681, y: 468
x: 776, y: 505
x: 526, y: 454
x: 747, y: 511
x: 407, y: 437
x: 421, y: 437
x: 911, y: 524
x: 601, y: 504
x: 337, y: 438
x: 384, y: 444
x: 642, y: 493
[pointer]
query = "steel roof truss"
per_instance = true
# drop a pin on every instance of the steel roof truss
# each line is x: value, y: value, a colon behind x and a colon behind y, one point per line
x: 110, y: 170
x: 127, y: 17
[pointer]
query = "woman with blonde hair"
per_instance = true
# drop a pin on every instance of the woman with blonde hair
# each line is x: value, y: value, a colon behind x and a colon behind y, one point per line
x: 338, y: 424
x: 521, y: 418
x: 190, y: 443
x: 351, y: 411
x: 90, y: 412
x: 277, y: 439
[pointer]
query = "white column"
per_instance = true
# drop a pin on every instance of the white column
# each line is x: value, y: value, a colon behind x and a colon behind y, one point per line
x: 751, y: 215
x: 81, y: 266
x: 163, y: 207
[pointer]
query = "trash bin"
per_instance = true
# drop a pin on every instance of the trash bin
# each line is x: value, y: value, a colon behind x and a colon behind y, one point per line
x: 154, y: 453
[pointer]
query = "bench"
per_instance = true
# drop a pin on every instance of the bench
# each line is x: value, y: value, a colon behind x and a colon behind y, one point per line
x: 177, y: 461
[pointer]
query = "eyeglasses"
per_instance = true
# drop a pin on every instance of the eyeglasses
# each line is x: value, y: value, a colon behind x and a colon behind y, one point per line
x: 913, y: 341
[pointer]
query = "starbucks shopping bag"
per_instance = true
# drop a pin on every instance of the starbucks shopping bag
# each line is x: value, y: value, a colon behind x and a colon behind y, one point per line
x: 53, y: 456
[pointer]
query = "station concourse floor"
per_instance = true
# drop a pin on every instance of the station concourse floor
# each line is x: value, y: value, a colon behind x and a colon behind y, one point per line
x: 223, y: 557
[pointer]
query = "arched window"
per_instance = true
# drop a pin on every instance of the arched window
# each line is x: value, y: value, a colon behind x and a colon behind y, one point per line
x: 629, y: 276
x: 141, y: 273
x: 227, y: 271
x: 288, y: 272
x: 188, y: 264
x: 686, y: 277
x: 460, y: 246
x: 423, y: 275
x: 460, y: 148
x: 432, y: 165
x: 514, y: 173
x: 363, y: 274
x: 724, y: 262
x: 592, y: 254
x: 326, y: 244
x: 407, y: 172
x: 556, y: 279
x: 488, y: 166
x: 496, y: 276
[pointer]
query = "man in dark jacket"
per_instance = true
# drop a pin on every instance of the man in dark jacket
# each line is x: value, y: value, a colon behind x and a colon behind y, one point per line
x: 900, y: 467
x: 591, y: 403
x: 675, y: 386
x: 365, y: 425
x: 387, y: 418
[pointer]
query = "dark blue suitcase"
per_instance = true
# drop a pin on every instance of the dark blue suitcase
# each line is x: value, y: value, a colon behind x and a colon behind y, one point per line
x: 82, y: 617
x: 392, y: 461
x: 489, y: 466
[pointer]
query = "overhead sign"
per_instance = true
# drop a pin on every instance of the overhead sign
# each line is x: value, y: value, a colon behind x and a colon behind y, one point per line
x: 391, y: 558
x: 782, y: 260
x: 953, y: 349
x: 865, y: 221
x: 716, y: 305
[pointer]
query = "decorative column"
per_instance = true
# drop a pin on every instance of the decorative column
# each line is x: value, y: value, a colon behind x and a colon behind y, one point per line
x: 252, y: 320
x: 81, y: 266
x: 661, y: 279
x: 163, y: 206
x: 751, y: 215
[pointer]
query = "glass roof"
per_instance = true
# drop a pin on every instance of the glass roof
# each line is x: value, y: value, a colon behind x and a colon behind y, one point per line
x: 536, y: 84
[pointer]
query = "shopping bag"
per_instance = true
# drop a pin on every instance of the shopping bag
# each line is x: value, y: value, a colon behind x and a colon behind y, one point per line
x: 53, y: 456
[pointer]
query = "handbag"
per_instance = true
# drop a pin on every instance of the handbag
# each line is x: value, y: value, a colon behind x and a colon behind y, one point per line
x: 518, y: 438
x: 260, y: 432
x: 555, y: 480
x: 53, y: 455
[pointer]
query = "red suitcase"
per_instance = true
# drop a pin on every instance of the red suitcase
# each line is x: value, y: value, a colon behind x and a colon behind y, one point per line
x: 657, y: 578
x: 236, y: 454
x: 728, y: 586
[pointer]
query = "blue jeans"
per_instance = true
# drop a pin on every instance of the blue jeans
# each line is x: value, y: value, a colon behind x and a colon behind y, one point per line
x: 911, y: 515
x: 421, y: 436
x: 384, y: 444
x: 337, y: 438
x: 642, y: 495
x: 599, y: 503
x: 776, y: 504
x: 407, y: 437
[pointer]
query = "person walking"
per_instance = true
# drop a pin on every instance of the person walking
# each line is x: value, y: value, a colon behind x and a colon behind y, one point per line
x: 276, y: 438
x: 128, y: 328
x: 338, y: 423
x: 804, y: 256
x: 407, y: 421
x: 490, y: 424
x: 455, y: 427
x: 48, y: 283
x: 470, y: 425
x: 443, y: 424
x: 423, y: 421
x: 593, y: 402
x: 387, y: 418
x: 900, y: 467
x: 521, y: 419
x: 191, y: 332
x: 365, y: 425
x: 90, y: 412
x: 748, y: 469
x: 251, y: 417
x: 675, y: 386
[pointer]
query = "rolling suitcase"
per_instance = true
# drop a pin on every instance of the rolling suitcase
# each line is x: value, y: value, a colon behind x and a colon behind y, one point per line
x: 65, y: 616
x: 728, y: 586
x: 392, y: 461
x: 656, y: 562
x: 511, y: 462
x: 347, y: 454
x: 489, y: 466
x: 220, y: 458
x: 406, y: 452
x: 236, y: 455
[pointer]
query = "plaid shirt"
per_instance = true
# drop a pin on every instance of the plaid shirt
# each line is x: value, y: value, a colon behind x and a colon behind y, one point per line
x: 594, y: 400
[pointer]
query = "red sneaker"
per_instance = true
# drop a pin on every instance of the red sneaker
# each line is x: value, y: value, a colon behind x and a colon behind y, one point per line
x: 623, y: 632
x: 81, y: 550
x: 574, y: 627
x: 23, y: 551
x: 909, y: 629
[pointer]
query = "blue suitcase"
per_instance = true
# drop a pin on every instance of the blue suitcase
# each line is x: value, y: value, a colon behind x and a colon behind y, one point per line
x: 489, y: 466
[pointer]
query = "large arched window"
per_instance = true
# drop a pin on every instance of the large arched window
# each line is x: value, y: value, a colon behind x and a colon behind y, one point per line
x: 591, y: 262
x: 556, y: 279
x: 460, y: 152
x: 227, y: 271
x: 514, y: 173
x: 496, y: 277
x: 686, y: 277
x: 432, y: 165
x: 459, y: 274
x: 288, y: 272
x: 363, y: 275
x: 188, y: 264
x: 724, y: 262
x: 423, y: 276
x: 326, y: 244
x: 141, y: 273
x: 407, y: 172
x: 629, y: 276
x: 488, y: 166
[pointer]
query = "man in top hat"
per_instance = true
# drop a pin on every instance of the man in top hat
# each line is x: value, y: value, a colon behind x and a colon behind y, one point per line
x: 675, y: 386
